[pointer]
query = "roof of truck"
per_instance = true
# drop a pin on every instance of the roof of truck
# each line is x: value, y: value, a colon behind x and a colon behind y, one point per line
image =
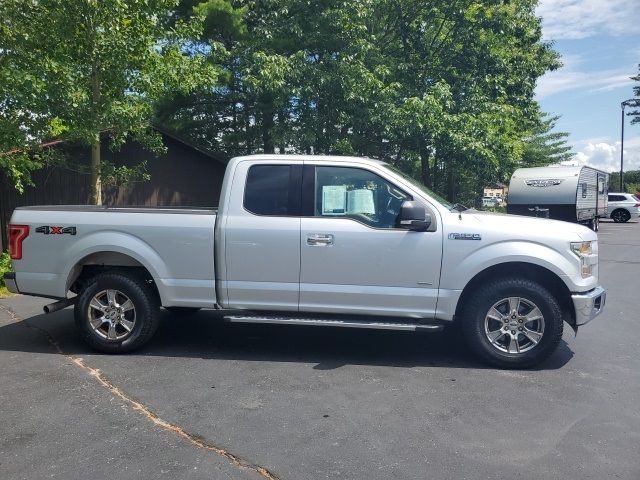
x: 331, y: 158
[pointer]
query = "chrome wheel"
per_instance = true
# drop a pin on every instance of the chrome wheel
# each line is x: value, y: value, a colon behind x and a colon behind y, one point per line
x: 112, y: 314
x: 514, y: 325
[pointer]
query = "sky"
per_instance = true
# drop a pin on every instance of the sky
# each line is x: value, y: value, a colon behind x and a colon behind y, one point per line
x: 599, y: 41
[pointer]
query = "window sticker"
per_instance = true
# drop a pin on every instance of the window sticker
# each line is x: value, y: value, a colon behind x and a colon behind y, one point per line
x: 334, y: 200
x: 360, y: 201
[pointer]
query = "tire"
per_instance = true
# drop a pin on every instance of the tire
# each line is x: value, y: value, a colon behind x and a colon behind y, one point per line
x: 117, y: 312
x: 620, y: 215
x: 594, y: 224
x: 477, y: 323
x: 183, y: 311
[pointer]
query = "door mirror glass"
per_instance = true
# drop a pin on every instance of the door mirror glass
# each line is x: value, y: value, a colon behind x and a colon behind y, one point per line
x: 413, y: 217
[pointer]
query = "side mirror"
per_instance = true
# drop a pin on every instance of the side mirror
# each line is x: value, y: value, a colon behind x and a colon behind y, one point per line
x: 413, y: 217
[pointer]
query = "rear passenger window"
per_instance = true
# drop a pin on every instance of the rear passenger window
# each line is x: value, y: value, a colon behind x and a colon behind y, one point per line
x: 267, y: 190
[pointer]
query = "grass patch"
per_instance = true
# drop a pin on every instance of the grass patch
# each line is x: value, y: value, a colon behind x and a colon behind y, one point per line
x: 4, y: 293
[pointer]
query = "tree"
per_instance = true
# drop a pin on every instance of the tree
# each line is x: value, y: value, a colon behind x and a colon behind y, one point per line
x: 544, y: 146
x: 635, y: 114
x: 78, y: 69
x: 631, y: 181
x: 443, y: 90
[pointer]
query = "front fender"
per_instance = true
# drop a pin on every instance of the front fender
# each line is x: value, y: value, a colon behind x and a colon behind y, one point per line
x: 458, y: 269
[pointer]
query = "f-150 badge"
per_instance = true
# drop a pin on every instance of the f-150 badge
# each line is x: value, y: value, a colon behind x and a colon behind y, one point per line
x: 47, y: 230
x: 465, y: 236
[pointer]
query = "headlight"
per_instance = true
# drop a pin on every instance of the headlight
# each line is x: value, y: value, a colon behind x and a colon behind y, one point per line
x: 581, y: 248
x: 584, y: 252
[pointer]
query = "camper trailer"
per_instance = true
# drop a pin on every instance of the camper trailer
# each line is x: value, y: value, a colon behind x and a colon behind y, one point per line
x: 572, y: 194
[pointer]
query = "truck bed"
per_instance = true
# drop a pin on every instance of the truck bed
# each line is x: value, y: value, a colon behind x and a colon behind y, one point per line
x: 175, y: 245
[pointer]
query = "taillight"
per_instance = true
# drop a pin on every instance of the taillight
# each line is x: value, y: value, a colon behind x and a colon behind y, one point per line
x: 637, y: 204
x: 17, y: 234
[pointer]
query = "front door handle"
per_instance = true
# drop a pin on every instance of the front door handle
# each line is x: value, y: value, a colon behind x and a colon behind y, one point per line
x: 319, y: 239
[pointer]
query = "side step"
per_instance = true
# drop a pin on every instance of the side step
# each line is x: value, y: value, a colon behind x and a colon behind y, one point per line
x: 320, y: 322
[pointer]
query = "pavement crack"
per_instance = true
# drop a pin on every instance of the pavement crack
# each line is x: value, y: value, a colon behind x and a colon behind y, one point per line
x: 141, y: 408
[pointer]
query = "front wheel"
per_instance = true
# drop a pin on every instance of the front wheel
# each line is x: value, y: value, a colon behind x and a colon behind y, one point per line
x: 512, y: 323
x: 117, y: 312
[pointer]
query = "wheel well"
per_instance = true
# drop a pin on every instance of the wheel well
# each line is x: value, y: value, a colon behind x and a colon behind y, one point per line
x: 101, y: 262
x: 528, y: 271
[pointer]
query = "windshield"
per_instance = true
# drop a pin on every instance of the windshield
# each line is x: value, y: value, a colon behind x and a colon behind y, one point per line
x: 420, y: 186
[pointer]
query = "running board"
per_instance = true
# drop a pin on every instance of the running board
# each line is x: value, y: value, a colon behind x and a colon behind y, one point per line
x: 319, y: 322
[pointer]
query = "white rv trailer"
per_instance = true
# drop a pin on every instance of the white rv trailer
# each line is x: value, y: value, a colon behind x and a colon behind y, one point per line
x: 572, y: 194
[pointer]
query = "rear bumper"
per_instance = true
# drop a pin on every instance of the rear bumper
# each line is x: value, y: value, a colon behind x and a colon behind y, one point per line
x: 10, y: 281
x: 589, y: 305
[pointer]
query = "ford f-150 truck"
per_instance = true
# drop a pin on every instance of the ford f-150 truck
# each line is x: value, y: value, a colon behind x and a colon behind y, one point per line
x: 314, y: 240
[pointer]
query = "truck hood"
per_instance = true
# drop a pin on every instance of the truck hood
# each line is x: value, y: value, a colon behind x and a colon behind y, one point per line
x: 531, y: 225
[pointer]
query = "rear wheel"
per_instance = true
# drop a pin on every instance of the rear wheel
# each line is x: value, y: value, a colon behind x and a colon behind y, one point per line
x: 117, y: 312
x: 512, y: 323
x: 620, y: 215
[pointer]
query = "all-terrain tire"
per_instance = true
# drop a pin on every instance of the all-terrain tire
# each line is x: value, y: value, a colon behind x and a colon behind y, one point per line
x: 145, y: 310
x: 474, y: 323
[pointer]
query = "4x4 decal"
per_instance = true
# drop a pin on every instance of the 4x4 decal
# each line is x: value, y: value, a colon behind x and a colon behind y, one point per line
x: 47, y: 230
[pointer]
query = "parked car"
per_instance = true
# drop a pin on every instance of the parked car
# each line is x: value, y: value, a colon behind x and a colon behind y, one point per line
x: 490, y: 201
x: 572, y: 194
x: 623, y: 207
x: 314, y: 240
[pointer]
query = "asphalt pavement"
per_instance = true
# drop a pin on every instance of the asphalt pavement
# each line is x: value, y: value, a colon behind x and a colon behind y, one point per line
x: 206, y: 400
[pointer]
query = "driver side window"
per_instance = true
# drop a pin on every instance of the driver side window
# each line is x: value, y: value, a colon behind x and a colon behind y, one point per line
x: 347, y: 192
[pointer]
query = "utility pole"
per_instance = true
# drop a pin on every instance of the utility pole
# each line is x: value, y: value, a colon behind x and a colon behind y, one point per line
x: 632, y: 102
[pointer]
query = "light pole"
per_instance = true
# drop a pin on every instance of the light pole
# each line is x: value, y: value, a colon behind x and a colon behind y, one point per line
x: 632, y: 102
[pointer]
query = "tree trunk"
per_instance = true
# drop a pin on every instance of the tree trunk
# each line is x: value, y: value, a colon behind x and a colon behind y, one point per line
x: 282, y: 121
x: 96, y: 183
x: 451, y: 181
x: 425, y: 166
x: 268, y: 144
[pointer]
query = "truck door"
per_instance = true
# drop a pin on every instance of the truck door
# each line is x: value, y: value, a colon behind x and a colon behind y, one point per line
x: 262, y: 237
x: 354, y: 258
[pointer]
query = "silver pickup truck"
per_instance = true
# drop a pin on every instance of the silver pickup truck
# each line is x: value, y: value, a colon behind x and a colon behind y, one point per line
x: 314, y: 240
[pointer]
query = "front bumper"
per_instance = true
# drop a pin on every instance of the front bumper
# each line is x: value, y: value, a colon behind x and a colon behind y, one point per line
x: 588, y: 305
x: 10, y: 281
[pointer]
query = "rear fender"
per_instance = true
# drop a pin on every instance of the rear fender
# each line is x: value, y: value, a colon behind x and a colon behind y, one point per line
x: 117, y: 242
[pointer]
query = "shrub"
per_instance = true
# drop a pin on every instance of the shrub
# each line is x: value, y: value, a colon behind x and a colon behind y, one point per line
x: 5, y: 266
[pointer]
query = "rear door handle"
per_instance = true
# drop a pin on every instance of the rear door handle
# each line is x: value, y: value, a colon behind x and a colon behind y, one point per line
x: 319, y: 239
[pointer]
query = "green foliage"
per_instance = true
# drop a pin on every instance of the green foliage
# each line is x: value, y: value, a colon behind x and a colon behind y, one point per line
x: 635, y: 114
x: 5, y: 266
x: 76, y: 69
x: 545, y: 146
x: 119, y: 175
x: 443, y: 90
x: 631, y: 181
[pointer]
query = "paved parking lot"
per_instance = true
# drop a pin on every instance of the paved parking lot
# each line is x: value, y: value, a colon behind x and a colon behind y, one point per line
x: 213, y: 401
